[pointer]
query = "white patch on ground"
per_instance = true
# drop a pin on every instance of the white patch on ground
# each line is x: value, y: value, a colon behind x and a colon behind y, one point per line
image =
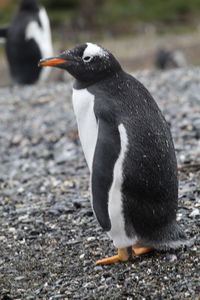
x: 93, y: 50
x: 115, y: 207
x: 42, y: 36
x: 83, y: 103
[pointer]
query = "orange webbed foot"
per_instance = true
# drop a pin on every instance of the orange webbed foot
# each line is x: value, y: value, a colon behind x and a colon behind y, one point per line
x: 140, y: 251
x: 123, y: 255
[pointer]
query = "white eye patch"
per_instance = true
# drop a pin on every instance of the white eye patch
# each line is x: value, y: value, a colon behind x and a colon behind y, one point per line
x: 92, y: 50
x: 87, y: 58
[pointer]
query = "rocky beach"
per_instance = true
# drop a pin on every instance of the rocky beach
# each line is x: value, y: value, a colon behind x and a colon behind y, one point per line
x: 49, y: 237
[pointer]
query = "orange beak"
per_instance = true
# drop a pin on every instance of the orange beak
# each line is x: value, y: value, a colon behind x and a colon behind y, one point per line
x: 50, y: 62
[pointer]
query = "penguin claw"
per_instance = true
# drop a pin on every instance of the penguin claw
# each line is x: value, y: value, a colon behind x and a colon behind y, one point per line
x: 140, y: 251
x: 108, y: 260
x: 123, y: 255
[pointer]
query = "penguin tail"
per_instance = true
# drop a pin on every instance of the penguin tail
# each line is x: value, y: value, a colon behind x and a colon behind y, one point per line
x: 170, y: 237
x: 174, y: 238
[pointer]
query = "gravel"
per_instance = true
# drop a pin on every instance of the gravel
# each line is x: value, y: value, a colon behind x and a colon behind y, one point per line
x: 49, y: 238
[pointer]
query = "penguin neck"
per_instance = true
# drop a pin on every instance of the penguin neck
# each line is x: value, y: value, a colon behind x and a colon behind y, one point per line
x: 30, y: 5
x: 80, y: 84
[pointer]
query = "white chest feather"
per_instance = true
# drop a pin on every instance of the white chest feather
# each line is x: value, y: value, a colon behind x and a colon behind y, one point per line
x: 115, y: 207
x: 83, y: 103
x: 42, y: 36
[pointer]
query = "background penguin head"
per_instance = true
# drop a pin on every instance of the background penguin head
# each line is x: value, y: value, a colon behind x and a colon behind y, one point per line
x: 29, y: 5
x: 87, y: 62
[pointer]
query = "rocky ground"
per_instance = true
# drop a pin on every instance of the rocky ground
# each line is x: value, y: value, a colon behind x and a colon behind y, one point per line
x: 49, y: 238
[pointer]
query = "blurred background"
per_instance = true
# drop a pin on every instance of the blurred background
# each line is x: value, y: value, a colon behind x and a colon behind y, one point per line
x: 138, y: 32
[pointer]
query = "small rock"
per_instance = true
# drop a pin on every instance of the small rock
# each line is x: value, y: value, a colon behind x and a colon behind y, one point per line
x: 91, y: 238
x: 195, y: 213
x: 61, y: 296
x: 171, y: 257
x: 82, y: 256
x: 19, y: 278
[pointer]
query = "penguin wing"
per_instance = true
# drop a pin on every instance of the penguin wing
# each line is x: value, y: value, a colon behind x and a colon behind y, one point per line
x: 3, y: 33
x: 106, y: 153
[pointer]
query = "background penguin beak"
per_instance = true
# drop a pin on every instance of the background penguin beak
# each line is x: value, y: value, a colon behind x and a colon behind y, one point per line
x: 50, y: 62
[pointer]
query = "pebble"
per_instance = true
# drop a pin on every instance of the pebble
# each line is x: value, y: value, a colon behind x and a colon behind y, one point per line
x: 19, y: 278
x: 61, y: 296
x: 91, y: 238
x: 195, y: 213
x: 171, y: 257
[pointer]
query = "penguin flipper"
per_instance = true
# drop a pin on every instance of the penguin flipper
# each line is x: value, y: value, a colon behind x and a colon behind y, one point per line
x: 3, y: 32
x: 106, y: 153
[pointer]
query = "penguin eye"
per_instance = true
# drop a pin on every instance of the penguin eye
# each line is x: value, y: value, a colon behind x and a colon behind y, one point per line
x: 87, y: 58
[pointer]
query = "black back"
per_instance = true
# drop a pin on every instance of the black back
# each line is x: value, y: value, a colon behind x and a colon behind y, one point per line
x: 150, y: 186
x: 29, y: 5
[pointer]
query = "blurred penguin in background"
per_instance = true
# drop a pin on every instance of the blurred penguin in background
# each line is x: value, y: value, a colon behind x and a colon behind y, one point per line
x: 28, y: 39
x: 165, y: 59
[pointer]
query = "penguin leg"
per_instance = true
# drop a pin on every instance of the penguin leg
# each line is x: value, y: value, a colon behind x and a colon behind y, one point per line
x: 123, y: 255
x: 140, y: 251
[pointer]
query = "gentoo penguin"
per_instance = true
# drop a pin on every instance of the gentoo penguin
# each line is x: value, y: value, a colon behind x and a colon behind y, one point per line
x: 165, y: 59
x: 28, y: 39
x: 129, y: 151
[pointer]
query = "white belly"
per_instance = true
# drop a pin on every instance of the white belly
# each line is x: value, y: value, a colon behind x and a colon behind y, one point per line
x: 83, y: 103
x: 42, y: 36
x: 117, y: 232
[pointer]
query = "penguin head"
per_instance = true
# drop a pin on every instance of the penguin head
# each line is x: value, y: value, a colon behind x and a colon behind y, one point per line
x: 29, y: 5
x: 86, y: 63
